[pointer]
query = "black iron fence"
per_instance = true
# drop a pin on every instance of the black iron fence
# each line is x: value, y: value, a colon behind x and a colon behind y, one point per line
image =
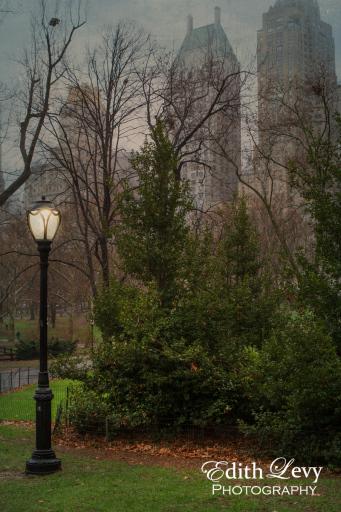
x: 20, y: 406
x: 107, y: 428
x: 17, y: 377
x: 165, y: 430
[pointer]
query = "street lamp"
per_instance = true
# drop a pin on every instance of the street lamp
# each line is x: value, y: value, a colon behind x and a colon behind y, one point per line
x: 43, y: 220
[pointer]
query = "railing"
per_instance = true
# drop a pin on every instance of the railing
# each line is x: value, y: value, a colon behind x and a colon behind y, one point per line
x: 17, y: 377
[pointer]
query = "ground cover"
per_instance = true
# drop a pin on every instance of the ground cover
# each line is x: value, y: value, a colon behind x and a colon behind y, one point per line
x: 20, y: 405
x: 91, y: 481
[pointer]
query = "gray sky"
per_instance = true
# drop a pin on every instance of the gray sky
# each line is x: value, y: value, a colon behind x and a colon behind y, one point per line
x: 165, y: 19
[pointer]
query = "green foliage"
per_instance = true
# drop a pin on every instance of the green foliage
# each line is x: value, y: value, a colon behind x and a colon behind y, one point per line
x: 294, y: 384
x: 87, y: 409
x: 177, y: 365
x: 159, y: 372
x: 319, y: 290
x: 197, y: 334
x: 242, y: 285
x: 26, y: 349
x: 239, y: 247
x: 68, y: 366
x: 319, y: 183
x: 30, y: 349
x: 153, y: 232
x: 107, y: 308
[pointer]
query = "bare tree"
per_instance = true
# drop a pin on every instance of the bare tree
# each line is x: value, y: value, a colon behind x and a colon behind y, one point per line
x: 102, y: 112
x: 294, y: 129
x: 43, y: 69
x: 198, y: 100
x: 19, y: 272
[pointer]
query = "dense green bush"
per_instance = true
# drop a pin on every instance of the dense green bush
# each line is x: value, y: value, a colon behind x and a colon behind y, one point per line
x: 30, y: 349
x: 155, y: 371
x: 174, y: 363
x: 67, y: 366
x: 294, y: 385
x: 198, y: 334
x: 56, y: 346
x: 87, y: 410
x: 176, y: 366
x: 27, y: 349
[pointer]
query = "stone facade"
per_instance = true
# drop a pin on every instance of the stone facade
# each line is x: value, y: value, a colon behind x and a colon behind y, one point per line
x: 211, y: 177
x: 45, y: 180
x: 295, y: 55
x: 294, y: 43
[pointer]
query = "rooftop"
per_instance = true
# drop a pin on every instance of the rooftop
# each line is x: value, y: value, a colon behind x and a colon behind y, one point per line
x: 305, y: 4
x: 210, y: 37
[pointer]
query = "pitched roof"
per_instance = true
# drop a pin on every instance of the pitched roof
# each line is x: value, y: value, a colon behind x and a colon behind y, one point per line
x: 209, y: 37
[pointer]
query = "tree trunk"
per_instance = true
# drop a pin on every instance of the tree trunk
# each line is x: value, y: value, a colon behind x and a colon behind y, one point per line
x: 53, y: 314
x: 71, y: 325
x: 32, y: 311
x: 105, y: 262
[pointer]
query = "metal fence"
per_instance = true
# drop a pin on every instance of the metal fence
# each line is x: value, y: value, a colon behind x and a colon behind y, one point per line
x: 21, y: 406
x: 17, y: 377
x: 92, y: 426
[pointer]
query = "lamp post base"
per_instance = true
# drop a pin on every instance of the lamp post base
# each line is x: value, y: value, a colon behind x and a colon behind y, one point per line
x: 43, y: 462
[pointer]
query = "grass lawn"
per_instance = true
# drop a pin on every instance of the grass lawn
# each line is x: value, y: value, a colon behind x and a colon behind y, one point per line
x: 87, y: 484
x: 78, y: 329
x: 19, y: 405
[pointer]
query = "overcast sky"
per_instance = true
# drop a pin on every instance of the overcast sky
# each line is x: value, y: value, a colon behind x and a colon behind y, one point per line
x: 165, y: 19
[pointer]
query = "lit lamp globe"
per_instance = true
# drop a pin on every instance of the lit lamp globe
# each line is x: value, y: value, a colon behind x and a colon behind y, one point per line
x: 43, y: 221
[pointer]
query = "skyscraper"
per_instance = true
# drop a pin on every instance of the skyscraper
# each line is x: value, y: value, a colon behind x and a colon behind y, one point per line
x: 295, y: 56
x: 294, y: 43
x: 2, y: 179
x: 212, y: 176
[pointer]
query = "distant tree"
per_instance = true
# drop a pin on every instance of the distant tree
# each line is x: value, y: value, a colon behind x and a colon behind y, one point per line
x: 294, y: 177
x: 239, y: 246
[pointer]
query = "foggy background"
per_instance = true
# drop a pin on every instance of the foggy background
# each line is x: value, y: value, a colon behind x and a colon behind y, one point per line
x: 164, y: 19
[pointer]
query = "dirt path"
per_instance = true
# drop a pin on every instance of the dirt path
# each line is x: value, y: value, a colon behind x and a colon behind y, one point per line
x: 178, y: 453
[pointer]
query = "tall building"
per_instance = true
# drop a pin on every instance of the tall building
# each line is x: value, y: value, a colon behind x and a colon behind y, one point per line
x: 80, y: 142
x: 45, y: 180
x: 295, y: 51
x: 2, y: 179
x: 294, y: 43
x: 212, y: 174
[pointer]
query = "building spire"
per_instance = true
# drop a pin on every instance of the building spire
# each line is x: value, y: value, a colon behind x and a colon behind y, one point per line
x: 217, y: 15
x: 2, y: 181
x: 189, y: 24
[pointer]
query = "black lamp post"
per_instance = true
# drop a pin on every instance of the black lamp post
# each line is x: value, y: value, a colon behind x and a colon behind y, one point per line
x: 43, y: 220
